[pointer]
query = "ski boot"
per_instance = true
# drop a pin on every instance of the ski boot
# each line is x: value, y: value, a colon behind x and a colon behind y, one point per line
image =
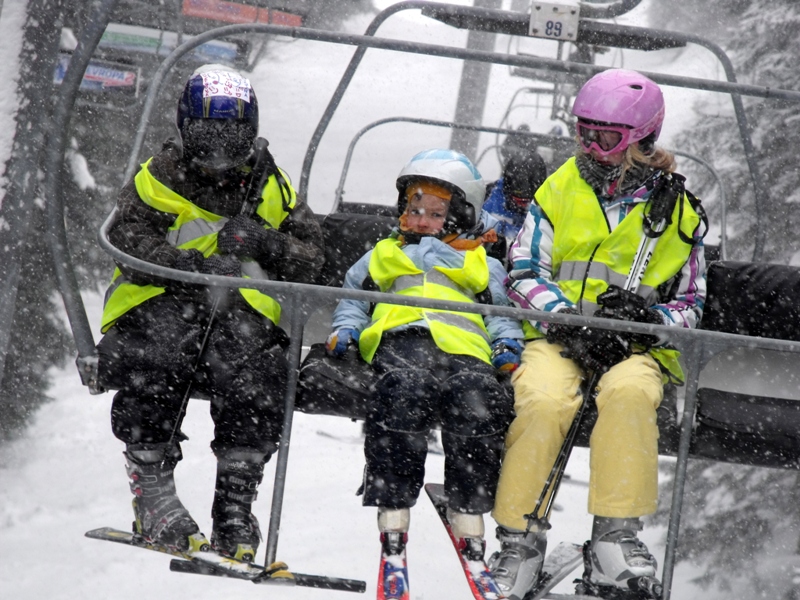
x: 236, y: 532
x: 393, y: 524
x: 161, y: 518
x: 518, y: 565
x: 617, y: 565
x: 468, y: 530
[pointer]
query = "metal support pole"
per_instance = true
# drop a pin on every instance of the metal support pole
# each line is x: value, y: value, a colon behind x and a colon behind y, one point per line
x: 298, y: 316
x: 693, y: 356
x: 54, y: 161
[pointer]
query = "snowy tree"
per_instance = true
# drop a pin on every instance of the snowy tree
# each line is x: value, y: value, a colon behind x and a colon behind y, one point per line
x: 33, y: 339
x: 761, y: 38
x: 740, y: 522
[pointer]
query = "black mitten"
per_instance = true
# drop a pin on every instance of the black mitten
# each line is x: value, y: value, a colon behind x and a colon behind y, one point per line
x: 595, y: 350
x: 222, y: 264
x: 242, y: 237
x: 561, y: 334
x: 598, y: 350
x: 623, y: 305
x: 189, y: 260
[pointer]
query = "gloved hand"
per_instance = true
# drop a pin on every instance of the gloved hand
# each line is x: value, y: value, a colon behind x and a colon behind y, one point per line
x: 594, y: 350
x: 222, y: 264
x: 562, y: 334
x: 340, y: 340
x: 189, y: 260
x: 621, y: 304
x: 506, y: 353
x: 597, y: 350
x: 244, y: 237
x: 617, y: 303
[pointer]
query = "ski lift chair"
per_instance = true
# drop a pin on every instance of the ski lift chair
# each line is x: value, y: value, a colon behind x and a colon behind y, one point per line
x: 758, y: 423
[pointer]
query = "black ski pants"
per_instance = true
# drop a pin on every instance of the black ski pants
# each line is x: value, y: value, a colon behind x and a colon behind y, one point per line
x: 149, y: 355
x: 419, y: 386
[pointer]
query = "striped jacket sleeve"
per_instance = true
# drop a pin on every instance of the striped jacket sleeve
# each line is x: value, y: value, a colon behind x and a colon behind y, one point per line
x: 685, y: 307
x: 530, y: 282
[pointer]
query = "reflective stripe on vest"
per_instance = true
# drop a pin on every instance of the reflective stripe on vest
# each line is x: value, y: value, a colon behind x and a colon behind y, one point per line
x: 453, y: 332
x: 586, y: 258
x: 194, y: 228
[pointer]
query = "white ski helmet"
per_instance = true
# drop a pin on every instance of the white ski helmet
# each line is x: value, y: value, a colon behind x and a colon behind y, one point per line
x: 453, y: 171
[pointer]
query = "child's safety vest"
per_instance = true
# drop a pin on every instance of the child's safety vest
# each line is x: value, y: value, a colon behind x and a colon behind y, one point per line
x: 454, y: 332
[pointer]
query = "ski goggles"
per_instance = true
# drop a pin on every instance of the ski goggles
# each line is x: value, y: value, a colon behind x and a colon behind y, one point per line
x: 604, y: 139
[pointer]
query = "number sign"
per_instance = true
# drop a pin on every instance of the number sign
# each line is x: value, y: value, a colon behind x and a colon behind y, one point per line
x: 555, y: 21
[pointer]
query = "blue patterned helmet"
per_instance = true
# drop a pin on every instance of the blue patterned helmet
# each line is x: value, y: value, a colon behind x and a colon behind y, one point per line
x: 217, y: 117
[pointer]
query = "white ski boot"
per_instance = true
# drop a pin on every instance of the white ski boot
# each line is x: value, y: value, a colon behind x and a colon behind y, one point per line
x: 393, y: 523
x: 469, y: 531
x: 617, y: 563
x: 516, y: 568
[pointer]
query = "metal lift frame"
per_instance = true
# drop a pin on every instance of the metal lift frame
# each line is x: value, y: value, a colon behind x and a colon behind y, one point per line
x: 299, y: 300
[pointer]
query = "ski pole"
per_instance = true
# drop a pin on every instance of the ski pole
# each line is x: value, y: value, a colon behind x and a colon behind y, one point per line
x: 259, y: 174
x: 560, y: 464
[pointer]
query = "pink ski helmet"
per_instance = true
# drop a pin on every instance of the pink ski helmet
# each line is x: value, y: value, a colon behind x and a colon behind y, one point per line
x: 622, y: 98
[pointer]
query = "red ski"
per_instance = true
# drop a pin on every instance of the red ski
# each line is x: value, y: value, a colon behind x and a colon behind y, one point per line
x: 479, y: 577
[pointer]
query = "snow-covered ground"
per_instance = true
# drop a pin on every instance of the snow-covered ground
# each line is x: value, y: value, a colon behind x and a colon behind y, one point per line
x: 66, y: 475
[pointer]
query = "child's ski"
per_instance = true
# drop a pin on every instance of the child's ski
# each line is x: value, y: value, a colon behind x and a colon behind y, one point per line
x: 479, y: 577
x: 393, y: 572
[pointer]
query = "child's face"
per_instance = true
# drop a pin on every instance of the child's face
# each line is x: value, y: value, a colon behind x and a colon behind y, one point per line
x: 426, y: 213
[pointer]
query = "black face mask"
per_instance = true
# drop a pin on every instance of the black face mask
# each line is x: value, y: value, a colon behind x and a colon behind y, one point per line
x: 217, y: 144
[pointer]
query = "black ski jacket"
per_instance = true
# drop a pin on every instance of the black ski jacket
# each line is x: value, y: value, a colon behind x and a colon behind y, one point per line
x: 141, y: 231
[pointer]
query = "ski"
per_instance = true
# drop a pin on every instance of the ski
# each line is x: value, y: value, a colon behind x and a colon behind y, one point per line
x: 393, y: 573
x: 478, y: 576
x: 559, y: 563
x: 201, y: 560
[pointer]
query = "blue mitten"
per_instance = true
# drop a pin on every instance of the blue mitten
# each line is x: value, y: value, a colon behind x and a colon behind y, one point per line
x: 338, y: 341
x: 506, y: 354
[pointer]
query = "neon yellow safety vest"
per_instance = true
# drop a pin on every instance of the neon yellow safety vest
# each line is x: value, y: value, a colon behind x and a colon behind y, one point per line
x: 453, y: 332
x: 586, y: 258
x: 194, y: 228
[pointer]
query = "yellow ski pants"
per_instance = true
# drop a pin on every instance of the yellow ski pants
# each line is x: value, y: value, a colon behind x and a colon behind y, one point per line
x: 623, y: 446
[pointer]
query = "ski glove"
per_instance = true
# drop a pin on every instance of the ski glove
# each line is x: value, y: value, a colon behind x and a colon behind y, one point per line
x: 595, y: 350
x: 189, y: 260
x: 623, y: 305
x: 506, y: 353
x: 216, y: 264
x: 242, y: 236
x: 340, y: 340
x: 219, y: 264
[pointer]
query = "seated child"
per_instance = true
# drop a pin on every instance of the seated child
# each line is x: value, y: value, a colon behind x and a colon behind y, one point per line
x: 432, y: 366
